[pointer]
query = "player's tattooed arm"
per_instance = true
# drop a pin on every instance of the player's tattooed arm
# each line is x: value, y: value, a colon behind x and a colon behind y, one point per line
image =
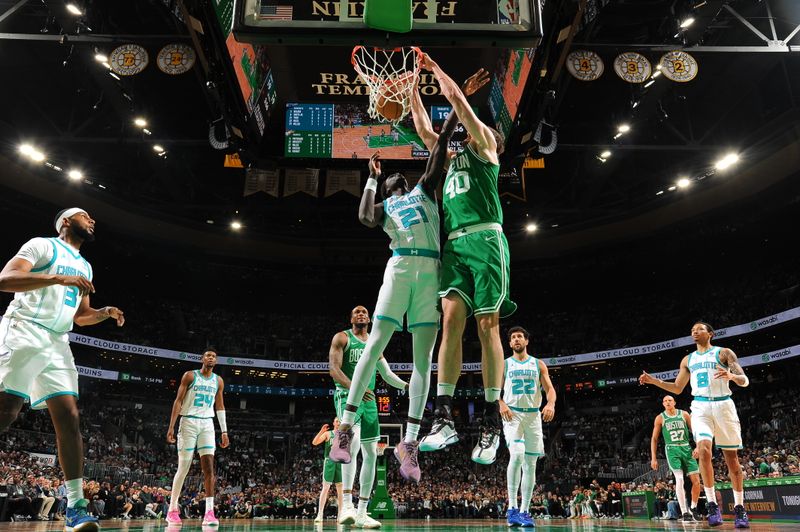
x: 675, y: 387
x: 369, y: 212
x: 654, y: 442
x: 186, y: 381
x: 734, y: 371
x: 86, y: 315
x: 549, y: 410
x: 335, y: 356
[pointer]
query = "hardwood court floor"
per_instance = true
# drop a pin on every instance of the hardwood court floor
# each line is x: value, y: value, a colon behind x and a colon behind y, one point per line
x: 434, y: 525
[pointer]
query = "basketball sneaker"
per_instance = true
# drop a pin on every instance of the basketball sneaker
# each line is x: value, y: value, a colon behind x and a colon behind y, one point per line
x: 687, y: 517
x: 174, y: 517
x: 741, y: 521
x: 407, y: 453
x: 340, y: 448
x: 485, y: 452
x: 317, y: 519
x: 210, y: 519
x: 697, y: 515
x: 714, y: 515
x: 512, y: 517
x: 527, y: 520
x: 78, y: 518
x: 348, y: 515
x: 443, y: 431
x: 365, y: 521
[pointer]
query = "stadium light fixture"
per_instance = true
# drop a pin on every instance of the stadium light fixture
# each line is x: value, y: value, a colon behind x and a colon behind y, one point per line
x: 139, y: 121
x: 685, y: 23
x: 656, y: 73
x: 649, y: 83
x: 659, y: 192
x: 531, y: 228
x: 606, y: 154
x: 75, y: 10
x: 101, y: 58
x: 26, y: 149
x: 683, y: 182
x: 623, y: 128
x: 673, y: 187
x: 158, y: 148
x: 727, y: 161
x: 236, y: 225
x: 37, y: 156
x: 75, y: 175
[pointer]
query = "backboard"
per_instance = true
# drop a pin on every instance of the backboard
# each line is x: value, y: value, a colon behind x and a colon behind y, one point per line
x: 483, y: 23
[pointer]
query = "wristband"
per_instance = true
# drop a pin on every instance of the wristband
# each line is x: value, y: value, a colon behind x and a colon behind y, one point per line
x: 372, y: 184
x: 223, y: 425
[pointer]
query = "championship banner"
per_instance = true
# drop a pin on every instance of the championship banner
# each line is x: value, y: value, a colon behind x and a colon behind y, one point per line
x: 511, y: 183
x: 666, y: 345
x: 257, y: 180
x: 301, y: 180
x: 343, y: 180
x: 44, y: 459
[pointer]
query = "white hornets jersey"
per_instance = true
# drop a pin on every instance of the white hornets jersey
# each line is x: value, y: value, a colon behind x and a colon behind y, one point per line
x: 52, y: 307
x: 522, y: 390
x: 702, y: 367
x: 199, y: 400
x: 412, y: 223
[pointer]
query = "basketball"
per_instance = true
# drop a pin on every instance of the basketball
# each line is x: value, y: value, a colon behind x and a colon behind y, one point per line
x: 387, y: 108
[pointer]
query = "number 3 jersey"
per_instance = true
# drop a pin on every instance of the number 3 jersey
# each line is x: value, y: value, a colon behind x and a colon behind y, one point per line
x: 199, y: 400
x: 521, y: 389
x: 412, y: 222
x: 52, y: 307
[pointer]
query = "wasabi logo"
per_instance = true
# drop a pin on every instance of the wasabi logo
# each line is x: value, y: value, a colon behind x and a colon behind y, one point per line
x: 553, y: 361
x: 765, y: 358
x: 753, y: 326
x: 230, y: 361
x: 182, y: 356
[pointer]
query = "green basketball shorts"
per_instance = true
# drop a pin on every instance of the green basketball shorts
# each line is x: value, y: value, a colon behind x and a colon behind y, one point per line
x: 477, y: 267
x: 366, y: 415
x: 679, y: 458
x: 332, y: 472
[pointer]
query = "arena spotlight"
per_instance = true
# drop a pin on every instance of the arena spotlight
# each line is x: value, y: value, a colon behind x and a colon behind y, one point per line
x: 72, y: 8
x: 101, y: 58
x: 236, y: 225
x: 531, y: 228
x: 683, y: 182
x: 649, y: 83
x: 685, y: 23
x: 656, y: 73
x: 673, y: 187
x: 158, y: 148
x: 75, y: 175
x: 140, y: 122
x: 623, y: 128
x: 26, y: 149
x: 37, y: 156
x: 727, y: 161
x: 606, y: 154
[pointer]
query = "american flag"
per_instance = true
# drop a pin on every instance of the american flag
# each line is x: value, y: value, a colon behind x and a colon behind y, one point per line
x: 274, y: 12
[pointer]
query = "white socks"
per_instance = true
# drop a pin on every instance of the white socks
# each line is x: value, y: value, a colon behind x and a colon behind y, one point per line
x: 679, y: 491
x: 710, y: 495
x: 184, y: 464
x: 513, y: 477
x: 444, y: 388
x: 209, y: 504
x: 349, y: 470
x: 491, y: 394
x: 379, y: 337
x: 528, y: 481
x: 424, y: 340
x: 738, y: 498
x: 74, y: 491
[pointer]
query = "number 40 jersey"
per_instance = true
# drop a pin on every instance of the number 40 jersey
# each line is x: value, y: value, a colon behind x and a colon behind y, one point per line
x: 412, y: 222
x: 199, y: 400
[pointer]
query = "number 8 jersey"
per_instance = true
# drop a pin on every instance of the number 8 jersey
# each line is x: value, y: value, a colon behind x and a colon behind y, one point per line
x: 52, y: 307
x: 521, y: 389
x: 199, y: 400
x: 702, y: 367
x: 412, y: 222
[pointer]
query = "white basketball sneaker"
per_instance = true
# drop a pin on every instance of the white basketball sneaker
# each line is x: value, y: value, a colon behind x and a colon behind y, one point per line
x: 365, y: 521
x: 443, y: 431
x: 348, y: 515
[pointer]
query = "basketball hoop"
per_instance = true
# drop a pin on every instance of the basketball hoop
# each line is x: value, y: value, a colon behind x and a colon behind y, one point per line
x: 390, y: 75
x: 382, y: 447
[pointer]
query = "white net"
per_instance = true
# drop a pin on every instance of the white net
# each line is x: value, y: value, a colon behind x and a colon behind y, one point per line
x: 391, y: 75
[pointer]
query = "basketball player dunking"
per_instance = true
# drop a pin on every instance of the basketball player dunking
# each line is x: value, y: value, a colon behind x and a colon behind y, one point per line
x: 676, y: 425
x: 710, y: 370
x: 199, y: 395
x: 51, y: 283
x: 347, y: 348
x: 525, y: 377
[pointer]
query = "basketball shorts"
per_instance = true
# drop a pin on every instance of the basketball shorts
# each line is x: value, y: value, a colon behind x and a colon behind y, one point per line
x: 717, y: 421
x: 477, y: 267
x: 366, y: 415
x: 410, y: 287
x: 679, y: 458
x: 196, y: 434
x: 525, y: 428
x: 35, y: 363
x: 331, y: 472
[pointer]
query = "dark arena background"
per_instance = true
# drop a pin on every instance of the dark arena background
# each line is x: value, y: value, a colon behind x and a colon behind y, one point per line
x: 651, y: 180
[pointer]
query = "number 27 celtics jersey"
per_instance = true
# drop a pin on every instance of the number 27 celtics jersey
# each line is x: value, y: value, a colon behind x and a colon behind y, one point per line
x: 412, y: 222
x: 199, y: 400
x: 674, y: 429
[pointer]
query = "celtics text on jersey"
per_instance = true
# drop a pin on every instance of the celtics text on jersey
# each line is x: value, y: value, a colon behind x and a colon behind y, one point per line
x: 470, y: 192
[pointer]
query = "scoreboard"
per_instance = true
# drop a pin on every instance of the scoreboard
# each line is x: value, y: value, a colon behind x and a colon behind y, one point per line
x: 309, y: 130
x: 384, y: 405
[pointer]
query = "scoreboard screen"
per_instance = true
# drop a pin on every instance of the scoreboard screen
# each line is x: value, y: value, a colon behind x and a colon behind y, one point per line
x: 309, y: 130
x: 384, y: 405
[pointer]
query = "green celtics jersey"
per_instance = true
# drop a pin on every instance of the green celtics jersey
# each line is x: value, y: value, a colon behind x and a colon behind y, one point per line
x: 352, y: 352
x: 470, y: 192
x: 674, y: 429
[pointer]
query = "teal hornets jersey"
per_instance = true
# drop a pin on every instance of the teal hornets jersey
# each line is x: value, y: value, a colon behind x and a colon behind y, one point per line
x: 522, y: 388
x: 199, y: 400
x: 412, y: 221
x: 52, y: 307
x: 702, y: 367
x: 470, y: 192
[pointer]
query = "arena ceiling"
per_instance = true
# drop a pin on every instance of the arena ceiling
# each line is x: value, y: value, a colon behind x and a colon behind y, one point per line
x: 744, y: 100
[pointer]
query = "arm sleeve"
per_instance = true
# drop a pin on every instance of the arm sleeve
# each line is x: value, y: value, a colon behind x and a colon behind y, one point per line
x: 389, y: 376
x: 37, y: 251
